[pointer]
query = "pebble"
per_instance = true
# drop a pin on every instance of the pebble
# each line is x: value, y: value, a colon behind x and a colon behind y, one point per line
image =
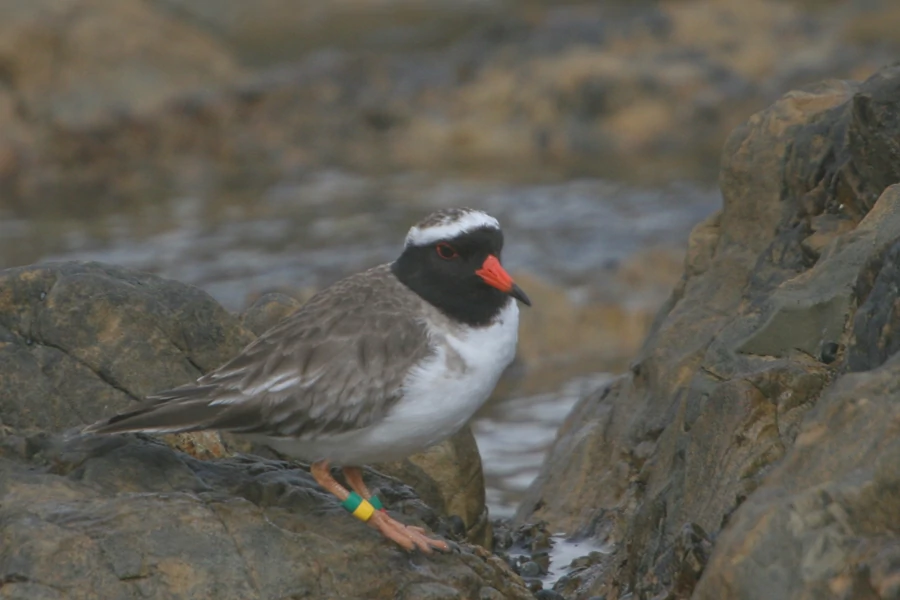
x: 530, y: 569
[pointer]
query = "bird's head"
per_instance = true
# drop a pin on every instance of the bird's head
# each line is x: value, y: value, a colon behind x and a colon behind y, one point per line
x: 452, y: 259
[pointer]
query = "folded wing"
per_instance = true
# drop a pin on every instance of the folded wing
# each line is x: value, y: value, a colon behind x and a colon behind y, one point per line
x: 336, y: 364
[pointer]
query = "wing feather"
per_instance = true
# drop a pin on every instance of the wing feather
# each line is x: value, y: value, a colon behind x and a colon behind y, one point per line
x: 336, y: 364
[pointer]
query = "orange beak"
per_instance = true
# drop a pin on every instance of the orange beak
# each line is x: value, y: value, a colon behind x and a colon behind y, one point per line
x: 493, y: 274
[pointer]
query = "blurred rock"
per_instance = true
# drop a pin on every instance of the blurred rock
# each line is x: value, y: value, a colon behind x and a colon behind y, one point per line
x: 268, y: 310
x: 737, y: 418
x: 281, y: 30
x: 517, y: 90
x: 560, y: 337
x: 75, y: 63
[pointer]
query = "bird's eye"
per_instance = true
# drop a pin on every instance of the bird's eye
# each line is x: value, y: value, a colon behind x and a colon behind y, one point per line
x: 446, y: 251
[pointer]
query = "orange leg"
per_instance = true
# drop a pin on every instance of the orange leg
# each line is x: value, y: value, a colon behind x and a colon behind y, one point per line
x: 353, y: 475
x: 406, y: 536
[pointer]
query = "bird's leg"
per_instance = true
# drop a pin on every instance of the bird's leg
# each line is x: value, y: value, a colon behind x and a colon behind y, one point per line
x: 409, y: 538
x: 353, y: 475
x: 322, y: 474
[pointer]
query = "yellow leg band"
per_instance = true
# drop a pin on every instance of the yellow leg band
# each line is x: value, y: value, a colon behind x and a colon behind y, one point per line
x: 359, y: 508
x: 364, y: 511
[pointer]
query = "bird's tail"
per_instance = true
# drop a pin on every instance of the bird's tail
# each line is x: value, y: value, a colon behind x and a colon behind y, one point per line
x: 176, y: 411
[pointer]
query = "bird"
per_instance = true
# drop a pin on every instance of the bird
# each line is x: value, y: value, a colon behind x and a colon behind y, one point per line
x: 375, y: 367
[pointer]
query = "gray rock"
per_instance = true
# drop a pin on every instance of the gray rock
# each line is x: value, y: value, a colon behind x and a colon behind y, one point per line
x: 820, y: 524
x: 83, y: 340
x: 126, y: 517
x: 736, y: 459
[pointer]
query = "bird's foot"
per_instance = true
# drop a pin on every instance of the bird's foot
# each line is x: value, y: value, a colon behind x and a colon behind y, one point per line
x: 407, y: 536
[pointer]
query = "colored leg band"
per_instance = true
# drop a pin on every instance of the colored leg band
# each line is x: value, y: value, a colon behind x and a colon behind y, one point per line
x: 359, y: 508
x: 376, y: 503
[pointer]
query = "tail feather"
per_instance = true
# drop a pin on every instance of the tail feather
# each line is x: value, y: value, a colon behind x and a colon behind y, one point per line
x: 176, y: 411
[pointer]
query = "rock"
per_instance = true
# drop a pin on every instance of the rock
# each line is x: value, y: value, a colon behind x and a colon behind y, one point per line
x: 80, y: 341
x: 270, y: 30
x: 565, y: 338
x: 160, y: 108
x: 78, y: 62
x: 122, y: 517
x: 267, y: 311
x: 750, y: 431
x: 820, y: 524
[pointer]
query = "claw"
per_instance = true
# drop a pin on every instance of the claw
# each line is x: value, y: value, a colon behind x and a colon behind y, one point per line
x: 407, y: 536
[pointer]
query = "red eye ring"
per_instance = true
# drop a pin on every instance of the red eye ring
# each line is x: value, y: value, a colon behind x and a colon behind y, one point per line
x: 446, y: 251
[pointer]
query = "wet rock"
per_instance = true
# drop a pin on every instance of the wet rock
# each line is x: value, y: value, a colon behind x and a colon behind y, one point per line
x: 690, y: 462
x: 530, y: 569
x: 125, y: 517
x: 525, y: 549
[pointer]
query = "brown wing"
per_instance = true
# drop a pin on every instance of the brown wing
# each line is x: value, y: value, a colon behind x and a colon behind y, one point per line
x: 336, y: 364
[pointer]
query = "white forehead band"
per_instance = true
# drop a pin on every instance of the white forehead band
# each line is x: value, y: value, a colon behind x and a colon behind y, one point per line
x: 444, y: 231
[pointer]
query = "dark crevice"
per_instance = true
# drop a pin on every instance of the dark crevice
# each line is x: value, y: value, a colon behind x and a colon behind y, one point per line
x: 13, y: 578
x: 106, y: 378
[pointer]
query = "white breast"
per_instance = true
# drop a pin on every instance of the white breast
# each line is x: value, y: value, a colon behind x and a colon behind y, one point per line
x: 443, y: 393
x: 440, y: 396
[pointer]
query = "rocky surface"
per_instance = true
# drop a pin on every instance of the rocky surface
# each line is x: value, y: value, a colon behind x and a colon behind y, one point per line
x: 80, y: 341
x: 130, y: 516
x: 123, y: 517
x: 78, y: 62
x: 749, y: 451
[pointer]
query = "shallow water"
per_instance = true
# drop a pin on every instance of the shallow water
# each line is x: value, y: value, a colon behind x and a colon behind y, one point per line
x: 513, y: 435
x: 307, y: 233
x: 304, y: 234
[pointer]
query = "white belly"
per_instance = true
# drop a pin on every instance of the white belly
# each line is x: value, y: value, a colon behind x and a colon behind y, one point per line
x: 439, y: 398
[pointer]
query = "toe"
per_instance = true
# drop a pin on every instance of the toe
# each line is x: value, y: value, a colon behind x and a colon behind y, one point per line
x: 424, y: 542
x: 399, y: 537
x: 407, y: 536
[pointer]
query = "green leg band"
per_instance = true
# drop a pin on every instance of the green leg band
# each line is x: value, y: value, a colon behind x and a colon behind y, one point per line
x: 376, y: 503
x: 359, y: 508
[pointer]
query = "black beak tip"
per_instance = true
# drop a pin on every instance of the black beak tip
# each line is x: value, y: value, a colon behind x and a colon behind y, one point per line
x: 517, y: 293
